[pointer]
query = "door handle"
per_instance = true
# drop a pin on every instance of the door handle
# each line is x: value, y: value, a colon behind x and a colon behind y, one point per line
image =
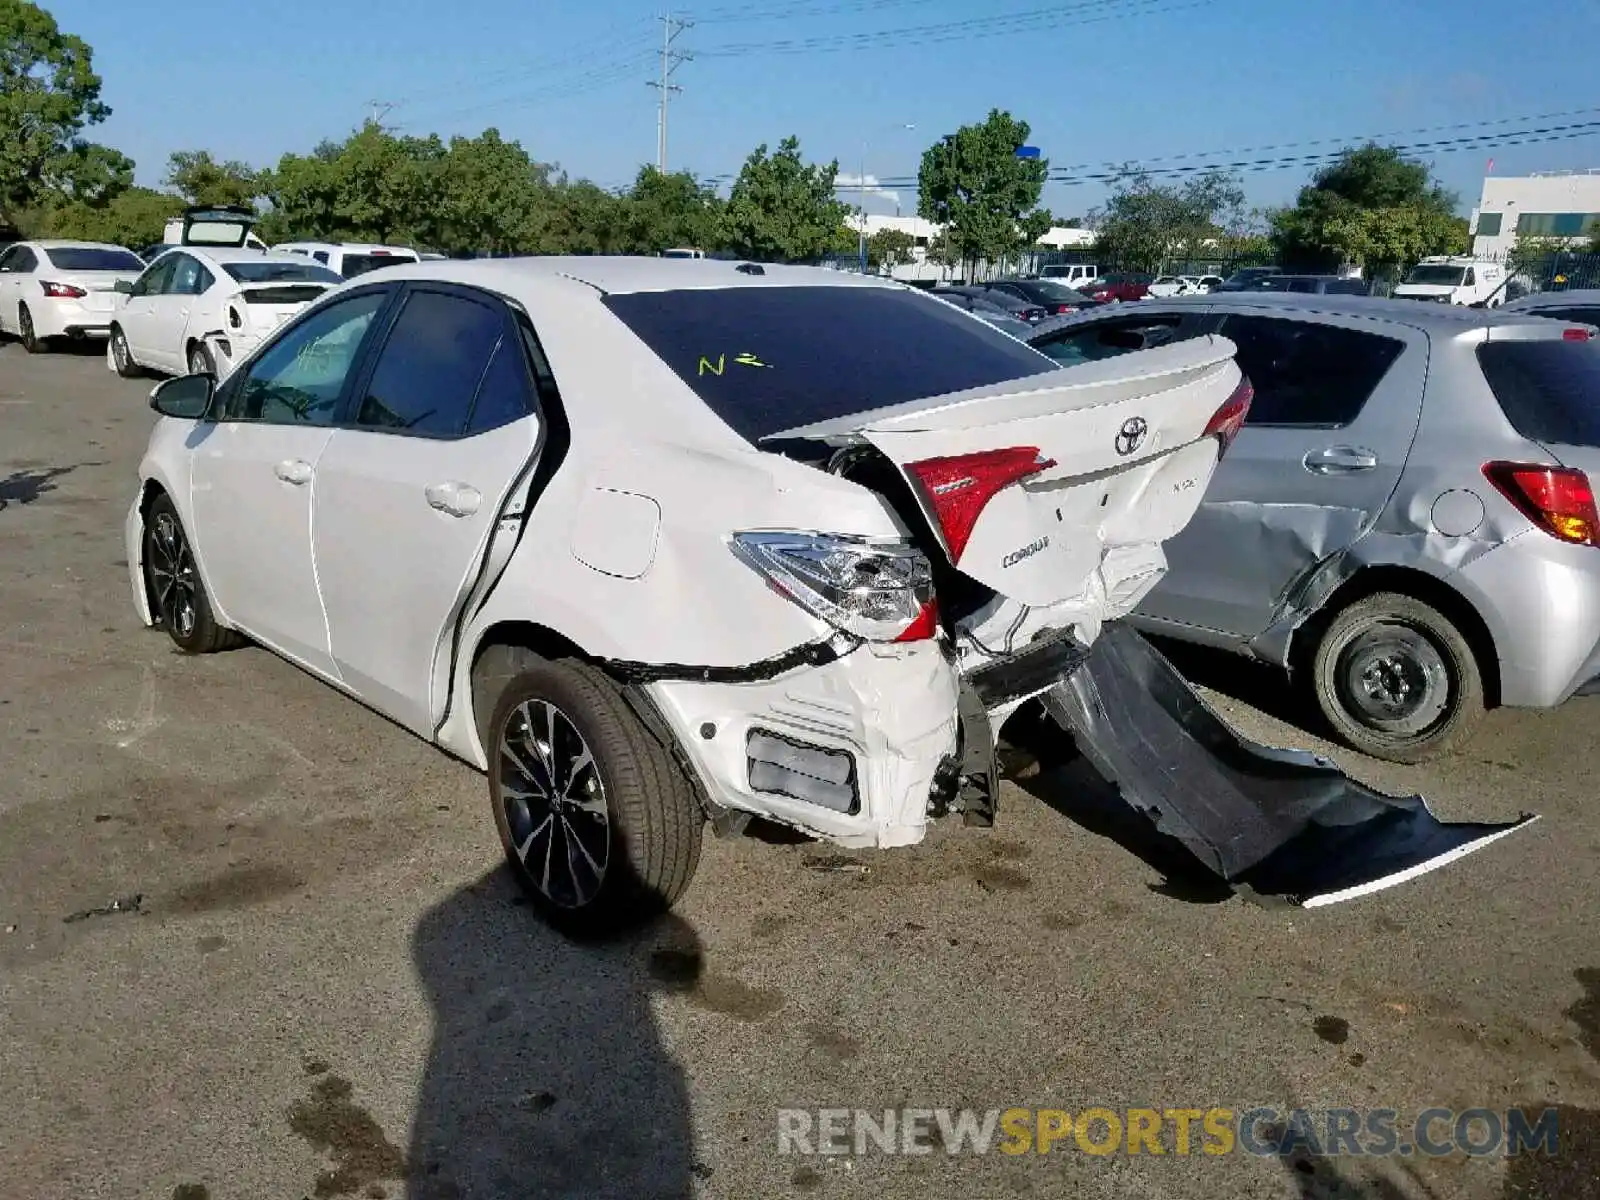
x: 293, y: 470
x: 456, y: 499
x: 1339, y: 460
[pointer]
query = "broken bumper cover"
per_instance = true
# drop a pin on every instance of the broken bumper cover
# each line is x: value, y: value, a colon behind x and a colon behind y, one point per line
x: 845, y: 749
x: 1280, y: 823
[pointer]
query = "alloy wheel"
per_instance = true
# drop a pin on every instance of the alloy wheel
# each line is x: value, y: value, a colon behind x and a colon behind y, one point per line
x: 30, y: 342
x: 172, y: 575
x: 554, y: 802
x: 119, y: 350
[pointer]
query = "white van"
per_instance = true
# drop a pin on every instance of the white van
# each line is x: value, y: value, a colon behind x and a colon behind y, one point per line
x: 351, y: 258
x: 1072, y: 274
x: 1454, y: 280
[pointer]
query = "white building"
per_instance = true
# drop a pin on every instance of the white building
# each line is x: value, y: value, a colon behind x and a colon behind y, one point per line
x: 923, y: 232
x: 1549, y: 204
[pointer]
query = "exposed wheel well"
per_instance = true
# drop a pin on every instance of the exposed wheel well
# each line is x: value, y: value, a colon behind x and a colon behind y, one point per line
x: 1420, y: 586
x: 498, y: 652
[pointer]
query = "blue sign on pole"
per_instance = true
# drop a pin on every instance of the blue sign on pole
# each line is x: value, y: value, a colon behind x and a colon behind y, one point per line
x: 1027, y: 152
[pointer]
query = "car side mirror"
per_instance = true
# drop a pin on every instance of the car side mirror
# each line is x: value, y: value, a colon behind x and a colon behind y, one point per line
x: 187, y: 397
x: 125, y: 286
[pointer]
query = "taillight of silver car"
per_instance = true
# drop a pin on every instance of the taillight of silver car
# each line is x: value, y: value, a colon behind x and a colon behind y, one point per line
x: 1226, y: 422
x: 1559, y: 500
x: 876, y: 591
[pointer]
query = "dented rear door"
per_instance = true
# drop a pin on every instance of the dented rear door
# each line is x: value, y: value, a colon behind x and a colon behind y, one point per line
x: 1336, y: 403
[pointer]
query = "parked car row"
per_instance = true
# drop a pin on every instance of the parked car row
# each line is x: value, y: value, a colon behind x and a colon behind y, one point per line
x: 1407, y: 521
x: 198, y: 302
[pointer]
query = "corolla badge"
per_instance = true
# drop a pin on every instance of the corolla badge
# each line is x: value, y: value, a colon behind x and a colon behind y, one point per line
x: 1131, y: 436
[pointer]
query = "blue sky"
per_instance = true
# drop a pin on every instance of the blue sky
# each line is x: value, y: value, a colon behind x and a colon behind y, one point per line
x: 1099, y: 80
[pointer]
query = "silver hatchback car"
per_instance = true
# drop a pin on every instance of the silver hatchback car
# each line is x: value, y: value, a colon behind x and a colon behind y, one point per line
x: 1407, y: 521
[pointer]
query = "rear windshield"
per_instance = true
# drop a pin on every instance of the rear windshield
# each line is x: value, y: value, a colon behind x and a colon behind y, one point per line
x: 766, y: 359
x: 1548, y: 390
x: 93, y: 258
x: 360, y: 264
x: 280, y: 272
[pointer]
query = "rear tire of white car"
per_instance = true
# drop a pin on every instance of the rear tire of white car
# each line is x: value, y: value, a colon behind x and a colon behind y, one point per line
x: 599, y: 823
x: 200, y: 362
x: 178, y: 599
x: 121, y: 356
x: 31, y: 341
x: 1397, y: 680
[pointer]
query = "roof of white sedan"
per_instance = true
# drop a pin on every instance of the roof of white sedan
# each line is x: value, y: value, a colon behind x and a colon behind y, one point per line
x: 223, y: 255
x: 615, y: 274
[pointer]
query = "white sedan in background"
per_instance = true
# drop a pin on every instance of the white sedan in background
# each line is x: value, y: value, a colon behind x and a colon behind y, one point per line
x: 651, y: 541
x: 51, y: 289
x: 199, y: 310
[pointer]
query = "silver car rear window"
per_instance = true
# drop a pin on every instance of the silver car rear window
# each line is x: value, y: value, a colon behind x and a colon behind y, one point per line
x: 1548, y: 390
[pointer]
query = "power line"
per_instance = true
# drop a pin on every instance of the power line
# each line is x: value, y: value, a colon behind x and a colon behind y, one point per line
x: 671, y: 28
x: 1032, y: 20
x: 563, y: 87
x: 1480, y: 141
x: 722, y: 16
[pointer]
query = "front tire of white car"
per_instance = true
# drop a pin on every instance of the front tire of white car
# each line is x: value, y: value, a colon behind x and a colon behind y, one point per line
x: 121, y: 356
x: 600, y: 825
x: 31, y: 341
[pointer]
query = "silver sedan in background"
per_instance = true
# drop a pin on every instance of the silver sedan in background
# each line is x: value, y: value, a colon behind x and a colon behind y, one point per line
x: 1407, y: 521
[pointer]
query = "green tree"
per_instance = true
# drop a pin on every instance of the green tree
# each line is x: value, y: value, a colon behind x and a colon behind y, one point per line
x: 1373, y: 207
x: 49, y: 94
x: 580, y: 218
x: 664, y: 211
x: 781, y: 208
x: 987, y: 199
x: 888, y: 247
x: 491, y: 194
x: 1146, y: 225
x: 134, y: 218
x: 372, y: 187
x: 200, y: 179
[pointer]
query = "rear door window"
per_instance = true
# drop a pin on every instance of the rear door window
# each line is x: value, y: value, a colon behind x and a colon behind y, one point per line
x: 1107, y: 339
x: 431, y: 366
x: 766, y: 359
x: 1548, y: 390
x: 1305, y: 373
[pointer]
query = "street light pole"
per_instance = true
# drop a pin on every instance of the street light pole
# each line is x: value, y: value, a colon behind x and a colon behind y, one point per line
x: 861, y: 196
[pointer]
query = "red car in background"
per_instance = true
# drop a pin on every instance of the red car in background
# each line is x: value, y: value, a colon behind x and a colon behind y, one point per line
x: 1118, y: 287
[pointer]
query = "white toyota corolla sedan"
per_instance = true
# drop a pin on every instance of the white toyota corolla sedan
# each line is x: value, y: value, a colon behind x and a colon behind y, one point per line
x: 55, y: 289
x: 201, y: 309
x: 656, y: 541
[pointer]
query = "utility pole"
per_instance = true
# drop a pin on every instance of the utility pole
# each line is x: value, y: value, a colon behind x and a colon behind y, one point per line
x: 671, y: 27
x: 381, y: 109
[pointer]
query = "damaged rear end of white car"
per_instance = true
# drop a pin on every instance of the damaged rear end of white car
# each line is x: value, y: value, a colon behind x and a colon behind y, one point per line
x: 822, y: 539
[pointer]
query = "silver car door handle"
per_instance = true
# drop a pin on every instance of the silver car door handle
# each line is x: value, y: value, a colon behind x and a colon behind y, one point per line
x: 457, y: 499
x: 1337, y: 460
x: 293, y: 470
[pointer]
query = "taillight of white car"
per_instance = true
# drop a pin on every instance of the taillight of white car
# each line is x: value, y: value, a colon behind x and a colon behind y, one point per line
x: 876, y: 591
x: 1226, y: 422
x: 62, y: 291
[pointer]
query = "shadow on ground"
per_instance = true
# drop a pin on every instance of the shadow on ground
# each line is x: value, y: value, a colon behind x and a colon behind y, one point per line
x: 26, y: 486
x: 547, y: 1075
x: 1257, y: 684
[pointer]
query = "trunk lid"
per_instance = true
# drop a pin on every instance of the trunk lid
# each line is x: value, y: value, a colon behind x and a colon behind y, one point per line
x: 1031, y: 485
x: 264, y: 308
x: 99, y: 287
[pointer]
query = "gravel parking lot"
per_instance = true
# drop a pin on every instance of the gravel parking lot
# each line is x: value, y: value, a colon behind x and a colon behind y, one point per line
x: 316, y: 981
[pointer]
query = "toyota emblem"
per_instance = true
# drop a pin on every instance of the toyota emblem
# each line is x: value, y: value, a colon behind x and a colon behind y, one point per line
x: 1131, y: 436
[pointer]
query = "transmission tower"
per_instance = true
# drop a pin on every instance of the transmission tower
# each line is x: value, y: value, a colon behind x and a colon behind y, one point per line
x: 671, y: 27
